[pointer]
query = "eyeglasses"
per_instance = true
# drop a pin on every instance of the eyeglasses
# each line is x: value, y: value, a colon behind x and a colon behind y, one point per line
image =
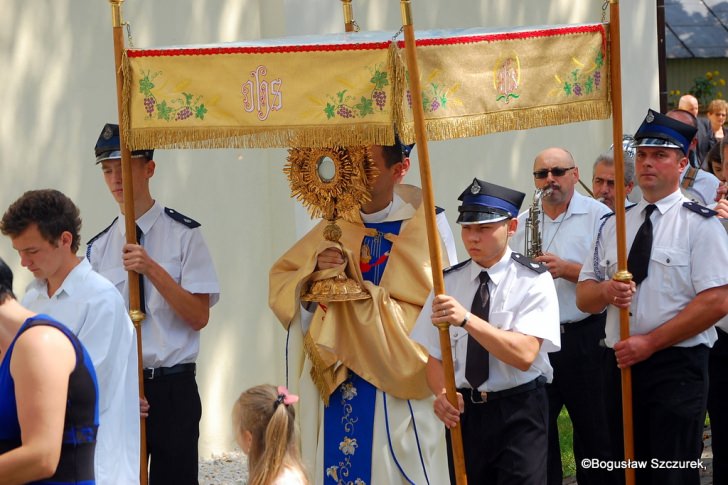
x: 556, y: 171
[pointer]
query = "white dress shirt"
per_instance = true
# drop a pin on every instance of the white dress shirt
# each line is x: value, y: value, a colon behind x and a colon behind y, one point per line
x: 93, y: 309
x: 181, y: 251
x: 689, y: 255
x: 521, y: 300
x: 570, y: 236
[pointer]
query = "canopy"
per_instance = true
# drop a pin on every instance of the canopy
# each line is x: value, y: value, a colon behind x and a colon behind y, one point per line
x: 352, y: 89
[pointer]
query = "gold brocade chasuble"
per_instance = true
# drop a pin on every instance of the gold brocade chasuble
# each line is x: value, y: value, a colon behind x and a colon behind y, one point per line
x: 370, y: 337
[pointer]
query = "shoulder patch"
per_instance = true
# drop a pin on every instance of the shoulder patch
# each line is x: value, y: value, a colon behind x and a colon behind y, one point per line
x: 91, y: 241
x: 699, y: 209
x: 529, y: 263
x: 181, y: 218
x: 439, y: 210
x: 457, y: 266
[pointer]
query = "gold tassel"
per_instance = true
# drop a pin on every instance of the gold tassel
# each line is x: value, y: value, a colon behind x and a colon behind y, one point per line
x: 318, y: 369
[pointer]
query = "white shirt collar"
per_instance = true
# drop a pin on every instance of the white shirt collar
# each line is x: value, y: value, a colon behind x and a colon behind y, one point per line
x: 145, y: 221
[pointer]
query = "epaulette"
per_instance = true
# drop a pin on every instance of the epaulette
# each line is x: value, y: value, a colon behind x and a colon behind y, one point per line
x: 91, y: 241
x: 699, y: 209
x: 181, y: 218
x: 610, y: 214
x: 529, y: 263
x: 439, y: 210
x: 457, y: 266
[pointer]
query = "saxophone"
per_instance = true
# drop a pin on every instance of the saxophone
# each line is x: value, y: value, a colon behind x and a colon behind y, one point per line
x: 533, y: 230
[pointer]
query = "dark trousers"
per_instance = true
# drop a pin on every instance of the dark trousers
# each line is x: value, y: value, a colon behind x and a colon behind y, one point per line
x: 578, y: 384
x: 718, y: 407
x: 669, y: 394
x: 504, y: 440
x: 173, y: 428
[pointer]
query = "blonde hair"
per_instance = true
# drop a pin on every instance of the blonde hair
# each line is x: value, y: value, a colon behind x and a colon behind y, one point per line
x: 717, y: 105
x: 271, y: 422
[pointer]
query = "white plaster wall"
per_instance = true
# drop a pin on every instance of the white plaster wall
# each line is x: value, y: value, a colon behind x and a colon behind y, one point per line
x: 57, y: 88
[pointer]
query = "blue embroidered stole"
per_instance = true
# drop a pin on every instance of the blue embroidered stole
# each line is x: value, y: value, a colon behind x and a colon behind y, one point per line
x: 349, y: 417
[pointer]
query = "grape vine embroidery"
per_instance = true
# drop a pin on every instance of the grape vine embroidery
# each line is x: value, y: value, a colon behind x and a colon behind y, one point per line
x: 178, y: 108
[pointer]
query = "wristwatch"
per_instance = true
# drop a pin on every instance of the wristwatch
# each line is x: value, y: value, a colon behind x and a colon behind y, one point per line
x: 465, y: 320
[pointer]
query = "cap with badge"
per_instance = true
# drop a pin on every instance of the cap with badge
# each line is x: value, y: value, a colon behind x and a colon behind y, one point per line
x: 108, y: 146
x: 404, y: 148
x: 658, y: 130
x: 483, y: 203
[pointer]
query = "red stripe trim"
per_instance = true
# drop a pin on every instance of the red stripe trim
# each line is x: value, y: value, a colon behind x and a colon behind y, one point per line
x: 209, y: 51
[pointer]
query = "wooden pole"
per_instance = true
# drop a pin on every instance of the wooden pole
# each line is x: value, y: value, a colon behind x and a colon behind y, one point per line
x: 130, y: 224
x: 622, y: 273
x: 349, y: 24
x: 432, y: 234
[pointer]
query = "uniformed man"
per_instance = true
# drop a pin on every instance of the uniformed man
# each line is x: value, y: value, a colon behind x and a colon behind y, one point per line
x: 178, y: 287
x: 678, y: 291
x: 500, y: 343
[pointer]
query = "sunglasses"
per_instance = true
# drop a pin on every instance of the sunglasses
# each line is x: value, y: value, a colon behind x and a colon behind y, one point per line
x: 556, y: 171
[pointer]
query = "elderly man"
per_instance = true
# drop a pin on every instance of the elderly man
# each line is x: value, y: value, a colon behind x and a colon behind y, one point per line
x: 603, y: 177
x: 568, y: 224
x: 675, y: 297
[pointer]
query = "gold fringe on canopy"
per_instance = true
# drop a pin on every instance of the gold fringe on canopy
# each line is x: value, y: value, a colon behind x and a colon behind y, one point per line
x: 353, y: 90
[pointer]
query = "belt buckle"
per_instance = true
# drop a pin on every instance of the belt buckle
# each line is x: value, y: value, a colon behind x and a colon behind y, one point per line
x: 151, y: 370
x: 483, y: 396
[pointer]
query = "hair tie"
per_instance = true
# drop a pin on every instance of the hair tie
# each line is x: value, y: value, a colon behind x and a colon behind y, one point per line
x: 285, y: 397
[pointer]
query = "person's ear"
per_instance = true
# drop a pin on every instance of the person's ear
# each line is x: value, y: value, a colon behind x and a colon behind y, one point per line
x: 512, y: 226
x: 401, y: 169
x: 245, y: 440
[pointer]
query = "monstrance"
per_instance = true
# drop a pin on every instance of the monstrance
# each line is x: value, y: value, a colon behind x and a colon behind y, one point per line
x: 331, y: 183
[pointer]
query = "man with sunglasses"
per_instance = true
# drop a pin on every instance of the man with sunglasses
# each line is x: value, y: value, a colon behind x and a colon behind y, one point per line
x: 569, y: 222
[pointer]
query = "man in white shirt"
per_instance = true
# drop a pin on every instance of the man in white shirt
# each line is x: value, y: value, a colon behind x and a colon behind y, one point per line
x: 44, y: 226
x: 500, y: 349
x: 568, y: 223
x: 178, y: 287
x: 679, y: 289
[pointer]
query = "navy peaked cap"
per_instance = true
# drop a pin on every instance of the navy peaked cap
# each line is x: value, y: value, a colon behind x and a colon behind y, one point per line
x: 108, y: 145
x: 658, y: 130
x: 483, y: 202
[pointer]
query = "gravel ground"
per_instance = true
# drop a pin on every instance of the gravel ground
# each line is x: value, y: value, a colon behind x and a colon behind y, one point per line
x: 225, y: 469
x: 232, y: 468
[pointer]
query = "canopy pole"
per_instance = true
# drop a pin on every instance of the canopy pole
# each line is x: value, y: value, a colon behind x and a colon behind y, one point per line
x: 622, y: 274
x: 130, y: 225
x: 349, y: 24
x: 432, y: 235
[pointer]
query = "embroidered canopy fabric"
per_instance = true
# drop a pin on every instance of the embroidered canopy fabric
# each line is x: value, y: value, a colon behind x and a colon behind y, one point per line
x: 351, y: 89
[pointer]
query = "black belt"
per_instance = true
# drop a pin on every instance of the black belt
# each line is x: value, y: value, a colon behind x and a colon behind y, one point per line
x: 597, y: 318
x: 478, y: 397
x: 154, y: 373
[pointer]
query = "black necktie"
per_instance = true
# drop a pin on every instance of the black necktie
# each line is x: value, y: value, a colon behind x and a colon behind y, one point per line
x: 476, y: 360
x: 142, y: 305
x: 639, y: 253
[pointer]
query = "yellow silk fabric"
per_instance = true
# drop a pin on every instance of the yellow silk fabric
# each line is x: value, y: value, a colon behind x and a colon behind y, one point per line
x: 370, y: 337
x: 474, y: 82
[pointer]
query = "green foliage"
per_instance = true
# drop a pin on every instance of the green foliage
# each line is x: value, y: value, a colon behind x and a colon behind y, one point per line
x: 566, y: 442
x: 705, y: 88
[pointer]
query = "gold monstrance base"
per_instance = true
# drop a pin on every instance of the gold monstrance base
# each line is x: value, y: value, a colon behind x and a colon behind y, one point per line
x: 336, y: 288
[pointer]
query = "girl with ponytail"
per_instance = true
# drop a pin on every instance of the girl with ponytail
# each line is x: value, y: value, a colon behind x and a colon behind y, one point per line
x: 264, y: 424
